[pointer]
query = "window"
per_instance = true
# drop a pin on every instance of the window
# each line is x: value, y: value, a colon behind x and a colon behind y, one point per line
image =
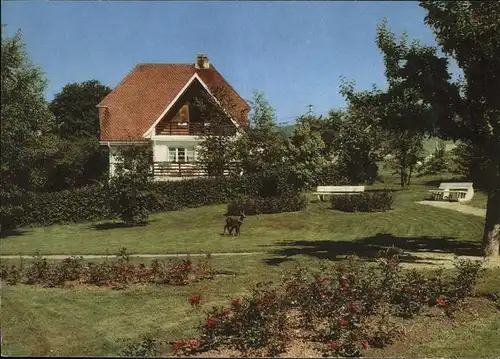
x: 180, y: 155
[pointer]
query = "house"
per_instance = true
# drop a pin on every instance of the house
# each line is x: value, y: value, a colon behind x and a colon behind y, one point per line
x: 155, y: 103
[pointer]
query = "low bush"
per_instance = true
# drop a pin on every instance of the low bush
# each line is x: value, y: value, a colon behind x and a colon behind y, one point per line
x: 266, y: 205
x: 376, y: 201
x: 116, y: 273
x: 341, y: 310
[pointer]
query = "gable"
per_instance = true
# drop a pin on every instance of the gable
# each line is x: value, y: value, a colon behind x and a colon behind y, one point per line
x: 184, y: 117
x: 140, y: 99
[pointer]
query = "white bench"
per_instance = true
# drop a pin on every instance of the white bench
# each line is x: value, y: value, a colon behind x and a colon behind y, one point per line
x: 449, y: 191
x: 321, y: 191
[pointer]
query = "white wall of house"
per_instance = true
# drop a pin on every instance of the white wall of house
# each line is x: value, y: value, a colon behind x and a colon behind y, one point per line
x: 113, y: 150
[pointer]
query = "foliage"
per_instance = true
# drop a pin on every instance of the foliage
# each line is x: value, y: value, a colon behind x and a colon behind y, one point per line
x: 469, y: 160
x: 146, y: 347
x: 94, y: 202
x: 465, y: 110
x: 287, y: 202
x: 304, y: 154
x: 407, y: 151
x: 116, y: 274
x: 261, y: 147
x: 357, y: 147
x: 439, y: 161
x: 130, y: 186
x: 216, y: 151
x: 344, y: 308
x: 27, y: 137
x: 80, y: 159
x: 379, y: 201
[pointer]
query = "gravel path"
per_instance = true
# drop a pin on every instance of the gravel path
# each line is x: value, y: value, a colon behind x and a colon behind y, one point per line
x: 457, y: 207
x: 97, y: 256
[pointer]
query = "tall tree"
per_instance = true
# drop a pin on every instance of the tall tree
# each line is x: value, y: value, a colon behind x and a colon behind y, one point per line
x: 304, y: 152
x: 402, y: 113
x: 260, y: 148
x: 216, y: 151
x: 469, y: 110
x: 27, y: 137
x: 80, y: 159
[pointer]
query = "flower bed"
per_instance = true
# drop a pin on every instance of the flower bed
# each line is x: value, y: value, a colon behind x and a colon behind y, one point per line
x: 339, y: 311
x: 117, y: 273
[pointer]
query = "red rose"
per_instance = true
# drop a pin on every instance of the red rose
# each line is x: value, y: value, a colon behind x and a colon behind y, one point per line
x: 365, y: 344
x: 342, y: 322
x: 440, y: 301
x: 236, y: 302
x: 194, y: 343
x: 333, y: 345
x: 188, y: 267
x: 195, y: 300
x: 211, y: 322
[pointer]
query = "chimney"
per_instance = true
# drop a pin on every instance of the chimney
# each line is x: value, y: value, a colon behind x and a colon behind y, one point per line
x: 202, y: 62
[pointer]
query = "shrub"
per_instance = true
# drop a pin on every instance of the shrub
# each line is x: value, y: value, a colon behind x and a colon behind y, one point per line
x: 344, y: 309
x: 117, y: 274
x: 267, y: 205
x: 148, y: 346
x: 130, y: 187
x: 377, y: 201
x: 90, y: 203
x: 256, y: 322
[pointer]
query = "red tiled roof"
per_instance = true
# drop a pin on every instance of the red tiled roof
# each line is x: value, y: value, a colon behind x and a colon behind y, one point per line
x: 141, y: 97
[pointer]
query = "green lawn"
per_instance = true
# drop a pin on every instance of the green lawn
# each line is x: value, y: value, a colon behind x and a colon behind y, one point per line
x: 93, y: 321
x: 198, y: 230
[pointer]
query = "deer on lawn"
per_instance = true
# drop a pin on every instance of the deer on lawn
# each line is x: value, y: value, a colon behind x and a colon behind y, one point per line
x: 234, y: 223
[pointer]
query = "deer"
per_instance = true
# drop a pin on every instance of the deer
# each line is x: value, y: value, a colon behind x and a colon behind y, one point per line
x: 234, y: 223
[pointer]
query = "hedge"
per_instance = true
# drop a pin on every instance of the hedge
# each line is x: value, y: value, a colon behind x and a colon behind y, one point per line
x: 259, y: 205
x: 377, y: 201
x: 92, y: 203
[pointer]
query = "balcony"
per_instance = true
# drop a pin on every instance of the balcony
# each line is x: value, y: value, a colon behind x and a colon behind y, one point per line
x: 192, y: 129
x: 165, y: 170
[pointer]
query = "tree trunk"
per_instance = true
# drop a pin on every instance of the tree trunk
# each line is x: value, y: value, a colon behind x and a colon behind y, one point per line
x: 491, y: 235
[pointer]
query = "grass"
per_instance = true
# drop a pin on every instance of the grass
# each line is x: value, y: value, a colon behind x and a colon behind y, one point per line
x: 479, y: 200
x: 96, y: 321
x: 198, y: 230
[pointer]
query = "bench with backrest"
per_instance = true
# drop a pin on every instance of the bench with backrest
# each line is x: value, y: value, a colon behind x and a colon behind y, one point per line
x: 322, y: 191
x: 449, y: 191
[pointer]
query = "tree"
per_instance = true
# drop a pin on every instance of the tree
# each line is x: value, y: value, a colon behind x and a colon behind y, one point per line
x: 130, y: 187
x: 357, y: 146
x: 216, y: 151
x: 260, y: 148
x: 304, y: 153
x: 80, y: 159
x: 466, y: 110
x: 27, y: 137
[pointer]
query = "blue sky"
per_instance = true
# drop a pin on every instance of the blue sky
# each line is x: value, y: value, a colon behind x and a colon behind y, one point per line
x: 295, y: 52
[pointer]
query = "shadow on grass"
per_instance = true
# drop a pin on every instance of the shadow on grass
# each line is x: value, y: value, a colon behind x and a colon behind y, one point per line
x: 11, y: 233
x: 111, y: 225
x: 370, y: 248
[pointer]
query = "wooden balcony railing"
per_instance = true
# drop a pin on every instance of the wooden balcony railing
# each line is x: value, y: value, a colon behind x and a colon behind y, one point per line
x: 173, y: 169
x: 191, y: 129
